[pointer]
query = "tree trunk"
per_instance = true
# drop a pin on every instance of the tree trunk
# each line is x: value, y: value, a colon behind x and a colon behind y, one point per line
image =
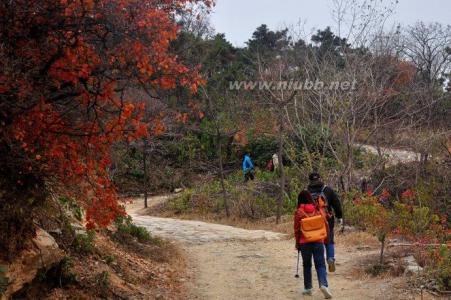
x: 423, y: 162
x: 349, y: 167
x: 364, y: 185
x: 381, y: 258
x: 145, y: 171
x: 221, y: 171
x: 282, y: 173
x: 342, y: 183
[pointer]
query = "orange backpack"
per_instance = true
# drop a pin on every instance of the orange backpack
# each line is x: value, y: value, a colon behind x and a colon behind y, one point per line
x: 313, y: 226
x: 321, y: 200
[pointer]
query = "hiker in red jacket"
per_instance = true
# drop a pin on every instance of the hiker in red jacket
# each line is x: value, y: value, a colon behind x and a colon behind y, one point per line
x: 308, y: 250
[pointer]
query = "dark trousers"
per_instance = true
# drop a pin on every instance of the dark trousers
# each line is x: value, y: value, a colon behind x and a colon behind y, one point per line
x: 249, y: 175
x: 315, y: 250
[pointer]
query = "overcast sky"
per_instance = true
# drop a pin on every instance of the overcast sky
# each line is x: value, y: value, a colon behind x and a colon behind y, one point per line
x: 239, y: 18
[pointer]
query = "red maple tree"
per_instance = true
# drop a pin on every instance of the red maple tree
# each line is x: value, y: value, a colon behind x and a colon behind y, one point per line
x: 66, y: 71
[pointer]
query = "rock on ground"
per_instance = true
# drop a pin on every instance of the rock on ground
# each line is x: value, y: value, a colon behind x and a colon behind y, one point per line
x: 43, y: 254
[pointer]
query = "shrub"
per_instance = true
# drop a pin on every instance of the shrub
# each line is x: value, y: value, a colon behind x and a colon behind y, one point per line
x: 67, y: 275
x: 180, y: 204
x: 72, y: 207
x: 437, y: 263
x: 418, y: 223
x: 431, y: 188
x: 383, y: 217
x: 290, y: 203
x: 125, y: 226
x: 60, y: 275
x: 443, y: 268
x: 367, y: 212
x: 265, y: 176
x: 109, y: 259
x: 140, y: 233
x: 104, y: 279
x: 84, y: 243
x: 247, y: 205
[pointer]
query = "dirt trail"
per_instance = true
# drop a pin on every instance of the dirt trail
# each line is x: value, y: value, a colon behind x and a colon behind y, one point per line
x: 233, y: 263
x: 265, y: 270
x: 394, y: 156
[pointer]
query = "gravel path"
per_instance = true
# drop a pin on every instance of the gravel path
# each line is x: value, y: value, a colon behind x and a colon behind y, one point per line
x: 196, y: 232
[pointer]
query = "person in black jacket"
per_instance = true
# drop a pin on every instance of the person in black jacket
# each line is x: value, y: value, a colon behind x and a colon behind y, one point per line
x: 316, y: 187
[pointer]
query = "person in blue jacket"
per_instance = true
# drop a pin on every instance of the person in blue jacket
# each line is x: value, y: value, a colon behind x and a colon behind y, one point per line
x: 248, y: 167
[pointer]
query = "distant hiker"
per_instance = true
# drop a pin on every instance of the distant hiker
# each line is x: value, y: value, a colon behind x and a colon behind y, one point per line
x: 310, y: 230
x: 330, y: 203
x: 275, y: 161
x: 248, y: 167
x: 270, y: 166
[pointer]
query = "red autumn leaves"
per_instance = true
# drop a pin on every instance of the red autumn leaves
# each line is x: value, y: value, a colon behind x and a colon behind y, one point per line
x: 66, y: 67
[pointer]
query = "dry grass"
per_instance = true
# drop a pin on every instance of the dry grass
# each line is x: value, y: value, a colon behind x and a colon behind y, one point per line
x: 357, y: 239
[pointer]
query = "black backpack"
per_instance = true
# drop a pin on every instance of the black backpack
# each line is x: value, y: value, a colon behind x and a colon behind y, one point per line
x: 322, y: 202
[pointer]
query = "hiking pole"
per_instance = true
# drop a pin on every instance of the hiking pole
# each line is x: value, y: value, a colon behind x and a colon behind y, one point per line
x: 297, y: 266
